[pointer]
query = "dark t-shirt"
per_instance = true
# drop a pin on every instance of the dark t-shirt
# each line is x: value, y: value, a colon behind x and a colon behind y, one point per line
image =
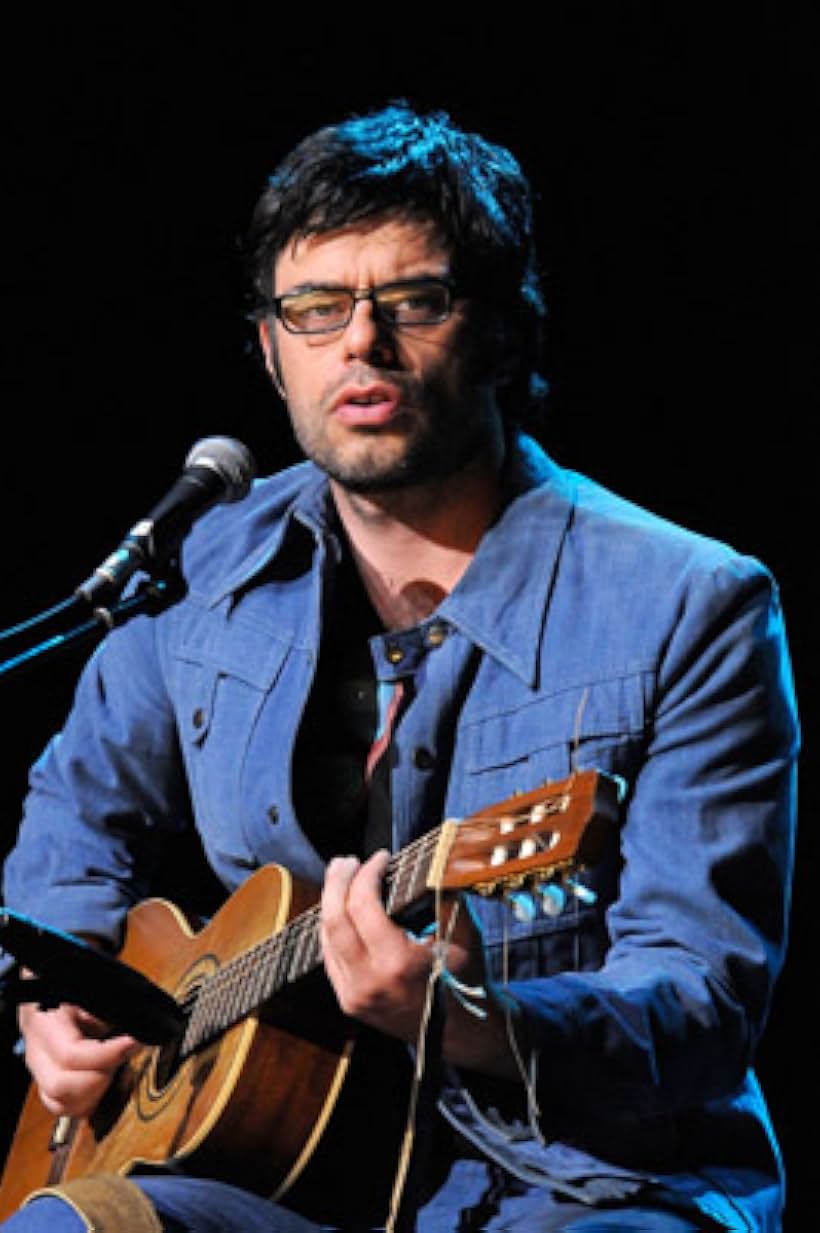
x: 344, y: 811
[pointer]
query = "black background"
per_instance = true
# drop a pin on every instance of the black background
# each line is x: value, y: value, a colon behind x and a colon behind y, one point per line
x: 671, y: 154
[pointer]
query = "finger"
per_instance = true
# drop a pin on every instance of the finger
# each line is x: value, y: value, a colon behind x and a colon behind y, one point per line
x: 339, y: 875
x: 72, y: 1093
x: 364, y: 895
x: 91, y: 1026
x: 70, y: 1070
x: 56, y: 1041
x: 342, y: 948
x: 83, y: 1053
x: 71, y: 1032
x: 358, y: 932
x: 386, y: 944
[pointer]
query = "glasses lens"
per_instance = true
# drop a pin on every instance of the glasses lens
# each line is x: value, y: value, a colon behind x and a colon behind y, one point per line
x: 416, y: 303
x: 314, y: 312
x: 319, y: 310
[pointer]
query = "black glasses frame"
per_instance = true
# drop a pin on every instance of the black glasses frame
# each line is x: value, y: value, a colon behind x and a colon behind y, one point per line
x: 274, y: 306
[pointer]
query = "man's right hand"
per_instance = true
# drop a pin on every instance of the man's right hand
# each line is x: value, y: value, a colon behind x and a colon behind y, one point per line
x: 72, y: 1056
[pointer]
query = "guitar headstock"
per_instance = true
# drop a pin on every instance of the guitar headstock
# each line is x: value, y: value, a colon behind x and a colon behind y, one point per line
x: 531, y: 839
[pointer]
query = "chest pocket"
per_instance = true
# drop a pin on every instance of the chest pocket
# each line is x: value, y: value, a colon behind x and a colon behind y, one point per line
x: 219, y: 700
x: 600, y: 724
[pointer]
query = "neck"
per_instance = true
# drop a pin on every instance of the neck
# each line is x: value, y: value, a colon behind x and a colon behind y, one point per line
x: 412, y: 546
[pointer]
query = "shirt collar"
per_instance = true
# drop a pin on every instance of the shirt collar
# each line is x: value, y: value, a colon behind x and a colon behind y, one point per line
x: 310, y: 510
x: 500, y: 602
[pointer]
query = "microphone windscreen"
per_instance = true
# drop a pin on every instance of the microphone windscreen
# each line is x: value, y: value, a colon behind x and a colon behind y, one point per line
x: 230, y: 459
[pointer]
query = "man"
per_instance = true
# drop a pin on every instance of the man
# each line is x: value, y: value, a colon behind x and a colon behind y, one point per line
x: 428, y: 617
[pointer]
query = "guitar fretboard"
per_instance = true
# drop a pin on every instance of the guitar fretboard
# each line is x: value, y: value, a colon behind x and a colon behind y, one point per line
x: 251, y: 979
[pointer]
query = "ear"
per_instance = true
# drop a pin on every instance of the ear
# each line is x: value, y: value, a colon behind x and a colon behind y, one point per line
x: 267, y: 342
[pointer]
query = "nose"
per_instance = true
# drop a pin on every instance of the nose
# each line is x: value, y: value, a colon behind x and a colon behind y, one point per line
x: 366, y: 337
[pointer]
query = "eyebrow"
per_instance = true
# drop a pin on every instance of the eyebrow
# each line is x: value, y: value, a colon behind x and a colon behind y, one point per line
x: 302, y: 288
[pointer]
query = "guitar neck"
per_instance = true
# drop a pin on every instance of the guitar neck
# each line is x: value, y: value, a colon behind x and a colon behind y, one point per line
x: 529, y: 839
x: 250, y: 980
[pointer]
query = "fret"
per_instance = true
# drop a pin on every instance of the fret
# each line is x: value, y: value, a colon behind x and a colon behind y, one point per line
x: 272, y: 954
x: 405, y: 885
x: 248, y: 987
x: 302, y: 949
x: 421, y: 864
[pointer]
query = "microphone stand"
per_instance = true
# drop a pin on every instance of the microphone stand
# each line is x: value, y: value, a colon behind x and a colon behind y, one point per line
x: 151, y: 596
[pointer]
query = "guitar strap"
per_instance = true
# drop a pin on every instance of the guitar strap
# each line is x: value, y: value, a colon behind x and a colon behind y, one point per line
x: 106, y: 1203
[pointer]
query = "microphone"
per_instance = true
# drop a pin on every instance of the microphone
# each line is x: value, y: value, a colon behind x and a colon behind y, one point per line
x: 70, y: 970
x: 217, y: 470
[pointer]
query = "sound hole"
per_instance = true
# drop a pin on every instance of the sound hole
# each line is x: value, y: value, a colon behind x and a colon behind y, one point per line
x: 166, y: 1064
x: 167, y: 1059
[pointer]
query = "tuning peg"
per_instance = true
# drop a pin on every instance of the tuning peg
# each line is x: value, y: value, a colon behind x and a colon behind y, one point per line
x: 581, y: 892
x: 523, y: 906
x: 553, y: 898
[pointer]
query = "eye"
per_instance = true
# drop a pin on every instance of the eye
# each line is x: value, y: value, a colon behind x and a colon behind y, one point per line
x: 309, y: 310
x: 415, y: 303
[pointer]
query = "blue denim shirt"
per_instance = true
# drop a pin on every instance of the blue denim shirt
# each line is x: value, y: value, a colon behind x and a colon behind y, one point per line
x: 585, y: 633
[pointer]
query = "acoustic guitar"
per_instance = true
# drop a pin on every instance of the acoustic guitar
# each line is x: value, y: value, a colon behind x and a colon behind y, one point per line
x: 263, y: 1082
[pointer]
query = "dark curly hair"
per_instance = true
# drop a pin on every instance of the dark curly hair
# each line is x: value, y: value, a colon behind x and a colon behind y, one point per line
x: 398, y: 162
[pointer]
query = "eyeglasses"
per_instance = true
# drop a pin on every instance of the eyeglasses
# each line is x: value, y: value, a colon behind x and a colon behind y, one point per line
x: 321, y: 310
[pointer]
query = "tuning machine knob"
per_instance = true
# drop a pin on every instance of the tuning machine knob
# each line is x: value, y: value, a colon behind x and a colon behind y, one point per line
x: 582, y: 893
x: 553, y: 898
x: 523, y: 906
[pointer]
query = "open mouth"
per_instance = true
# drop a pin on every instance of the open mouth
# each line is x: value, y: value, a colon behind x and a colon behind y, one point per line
x: 369, y: 407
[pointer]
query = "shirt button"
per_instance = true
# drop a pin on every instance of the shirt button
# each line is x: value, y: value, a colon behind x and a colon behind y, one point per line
x: 436, y: 633
x: 273, y: 814
x: 198, y: 717
x: 423, y: 759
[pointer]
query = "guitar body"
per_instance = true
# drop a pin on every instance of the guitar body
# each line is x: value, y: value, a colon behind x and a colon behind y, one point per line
x: 251, y: 1107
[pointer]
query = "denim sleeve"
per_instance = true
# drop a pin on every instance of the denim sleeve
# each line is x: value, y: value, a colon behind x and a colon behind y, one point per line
x: 697, y: 932
x: 102, y: 795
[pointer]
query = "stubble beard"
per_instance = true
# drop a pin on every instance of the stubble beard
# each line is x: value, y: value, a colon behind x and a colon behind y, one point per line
x: 449, y: 440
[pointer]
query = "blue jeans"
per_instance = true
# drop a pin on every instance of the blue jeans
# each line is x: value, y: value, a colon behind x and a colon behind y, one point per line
x: 194, y: 1206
